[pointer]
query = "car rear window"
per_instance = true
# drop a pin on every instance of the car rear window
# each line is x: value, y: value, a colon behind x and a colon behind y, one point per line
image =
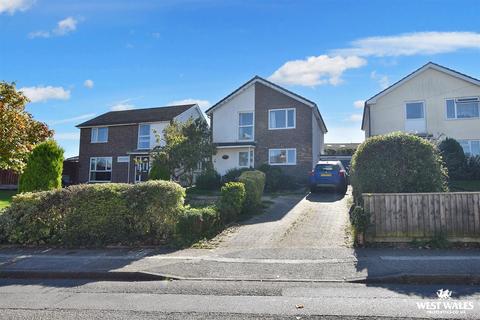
x: 326, y: 167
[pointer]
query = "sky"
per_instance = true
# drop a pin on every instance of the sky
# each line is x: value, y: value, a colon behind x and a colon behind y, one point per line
x: 79, y: 59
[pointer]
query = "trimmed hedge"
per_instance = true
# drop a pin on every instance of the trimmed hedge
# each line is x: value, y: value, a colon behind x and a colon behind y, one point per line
x: 94, y: 215
x: 197, y: 223
x: 397, y: 162
x: 44, y: 168
x: 233, y: 174
x: 453, y: 156
x: 275, y: 178
x: 209, y: 180
x: 231, y: 201
x: 254, y: 182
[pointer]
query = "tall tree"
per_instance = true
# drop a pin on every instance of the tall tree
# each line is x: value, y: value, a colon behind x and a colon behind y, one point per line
x: 186, y: 145
x: 19, y: 132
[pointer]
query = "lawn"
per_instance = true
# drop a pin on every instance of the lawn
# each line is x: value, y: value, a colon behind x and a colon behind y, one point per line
x: 6, y: 197
x: 465, y: 185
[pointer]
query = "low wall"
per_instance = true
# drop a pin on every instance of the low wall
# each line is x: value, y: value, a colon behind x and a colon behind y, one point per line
x: 402, y: 217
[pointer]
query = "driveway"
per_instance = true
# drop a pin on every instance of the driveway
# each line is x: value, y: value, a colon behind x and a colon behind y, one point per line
x: 293, y: 227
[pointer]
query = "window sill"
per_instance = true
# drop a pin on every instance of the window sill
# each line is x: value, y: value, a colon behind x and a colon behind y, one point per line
x: 282, y: 128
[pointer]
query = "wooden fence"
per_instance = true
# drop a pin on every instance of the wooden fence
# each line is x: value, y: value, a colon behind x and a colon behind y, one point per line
x: 402, y: 217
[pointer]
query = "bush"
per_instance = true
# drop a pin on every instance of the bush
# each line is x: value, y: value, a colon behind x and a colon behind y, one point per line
x: 44, y: 168
x: 397, y: 162
x: 231, y: 201
x: 471, y: 168
x: 197, y: 223
x: 360, y: 219
x: 275, y: 179
x: 94, y: 215
x: 209, y: 180
x: 159, y: 171
x: 233, y: 174
x: 453, y: 157
x: 254, y: 182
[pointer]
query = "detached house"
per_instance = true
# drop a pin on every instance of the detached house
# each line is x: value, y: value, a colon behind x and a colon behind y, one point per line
x: 261, y: 122
x: 433, y: 102
x: 116, y: 146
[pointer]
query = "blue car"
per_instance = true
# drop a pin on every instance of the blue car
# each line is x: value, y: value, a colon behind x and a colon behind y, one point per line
x: 329, y: 174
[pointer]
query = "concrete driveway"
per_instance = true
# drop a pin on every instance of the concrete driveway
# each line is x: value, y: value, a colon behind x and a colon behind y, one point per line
x: 295, y: 226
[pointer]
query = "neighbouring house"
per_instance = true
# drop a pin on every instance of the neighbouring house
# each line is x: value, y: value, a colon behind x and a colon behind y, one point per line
x: 339, y: 151
x: 434, y: 102
x: 116, y: 146
x: 70, y: 171
x: 261, y: 122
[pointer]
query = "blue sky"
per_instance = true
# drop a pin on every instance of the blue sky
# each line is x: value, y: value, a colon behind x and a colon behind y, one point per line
x: 78, y: 59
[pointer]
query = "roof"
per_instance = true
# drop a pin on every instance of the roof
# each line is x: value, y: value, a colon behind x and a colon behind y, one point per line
x: 425, y: 67
x: 275, y: 87
x: 166, y: 113
x: 337, y: 146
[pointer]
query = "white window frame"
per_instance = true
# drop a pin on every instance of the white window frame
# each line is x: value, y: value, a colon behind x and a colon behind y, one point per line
x: 455, y: 108
x: 250, y: 160
x: 143, y: 136
x: 286, y: 118
x: 246, y: 126
x: 286, y: 151
x: 107, y: 170
x: 94, y: 135
x: 469, y: 141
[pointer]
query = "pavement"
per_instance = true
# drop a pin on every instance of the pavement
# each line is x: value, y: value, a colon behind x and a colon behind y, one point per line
x: 299, y: 238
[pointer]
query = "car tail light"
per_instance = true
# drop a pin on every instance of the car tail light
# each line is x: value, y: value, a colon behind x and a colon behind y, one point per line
x: 342, y: 173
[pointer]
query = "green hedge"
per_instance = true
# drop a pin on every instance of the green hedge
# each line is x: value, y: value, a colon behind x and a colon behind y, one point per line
x: 209, y: 180
x: 94, y: 215
x: 397, y: 162
x: 454, y: 157
x: 197, y: 223
x: 254, y: 182
x: 231, y: 201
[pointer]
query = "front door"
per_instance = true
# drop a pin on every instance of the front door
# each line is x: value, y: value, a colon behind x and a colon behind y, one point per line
x: 142, y: 168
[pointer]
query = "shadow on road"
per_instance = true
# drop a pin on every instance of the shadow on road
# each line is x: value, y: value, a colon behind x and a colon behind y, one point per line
x: 325, y: 196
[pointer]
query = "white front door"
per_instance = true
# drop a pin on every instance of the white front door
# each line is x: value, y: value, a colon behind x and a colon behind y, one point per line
x: 415, y: 117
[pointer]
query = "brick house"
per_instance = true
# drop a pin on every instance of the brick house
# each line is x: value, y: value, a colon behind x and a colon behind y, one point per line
x: 116, y: 146
x: 261, y: 122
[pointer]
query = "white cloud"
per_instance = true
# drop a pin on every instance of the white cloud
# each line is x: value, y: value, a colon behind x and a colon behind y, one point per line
x: 11, y: 6
x: 358, y: 104
x: 122, y: 105
x: 73, y: 119
x: 345, y: 134
x: 203, y: 104
x: 38, y: 94
x: 316, y: 70
x: 67, y: 136
x: 63, y: 28
x: 383, y: 80
x: 408, y: 44
x: 88, y: 84
x: 355, y: 117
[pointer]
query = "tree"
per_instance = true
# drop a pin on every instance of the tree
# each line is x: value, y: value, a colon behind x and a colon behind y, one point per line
x: 19, y: 132
x: 44, y: 168
x: 453, y: 156
x: 159, y: 171
x: 186, y: 146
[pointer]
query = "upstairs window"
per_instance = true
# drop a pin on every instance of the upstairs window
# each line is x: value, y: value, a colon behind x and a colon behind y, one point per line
x: 144, y: 136
x: 463, y: 108
x: 281, y: 119
x: 99, y: 135
x: 245, y: 126
x: 415, y: 110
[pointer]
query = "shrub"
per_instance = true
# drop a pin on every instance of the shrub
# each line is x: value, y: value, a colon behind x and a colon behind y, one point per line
x: 233, y: 174
x: 96, y: 214
x: 196, y: 223
x: 44, y: 168
x: 360, y: 219
x: 159, y: 171
x: 397, y: 162
x: 209, y: 180
x: 453, y: 157
x: 275, y: 178
x: 231, y: 201
x: 471, y: 168
x: 254, y: 182
x: 153, y: 208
